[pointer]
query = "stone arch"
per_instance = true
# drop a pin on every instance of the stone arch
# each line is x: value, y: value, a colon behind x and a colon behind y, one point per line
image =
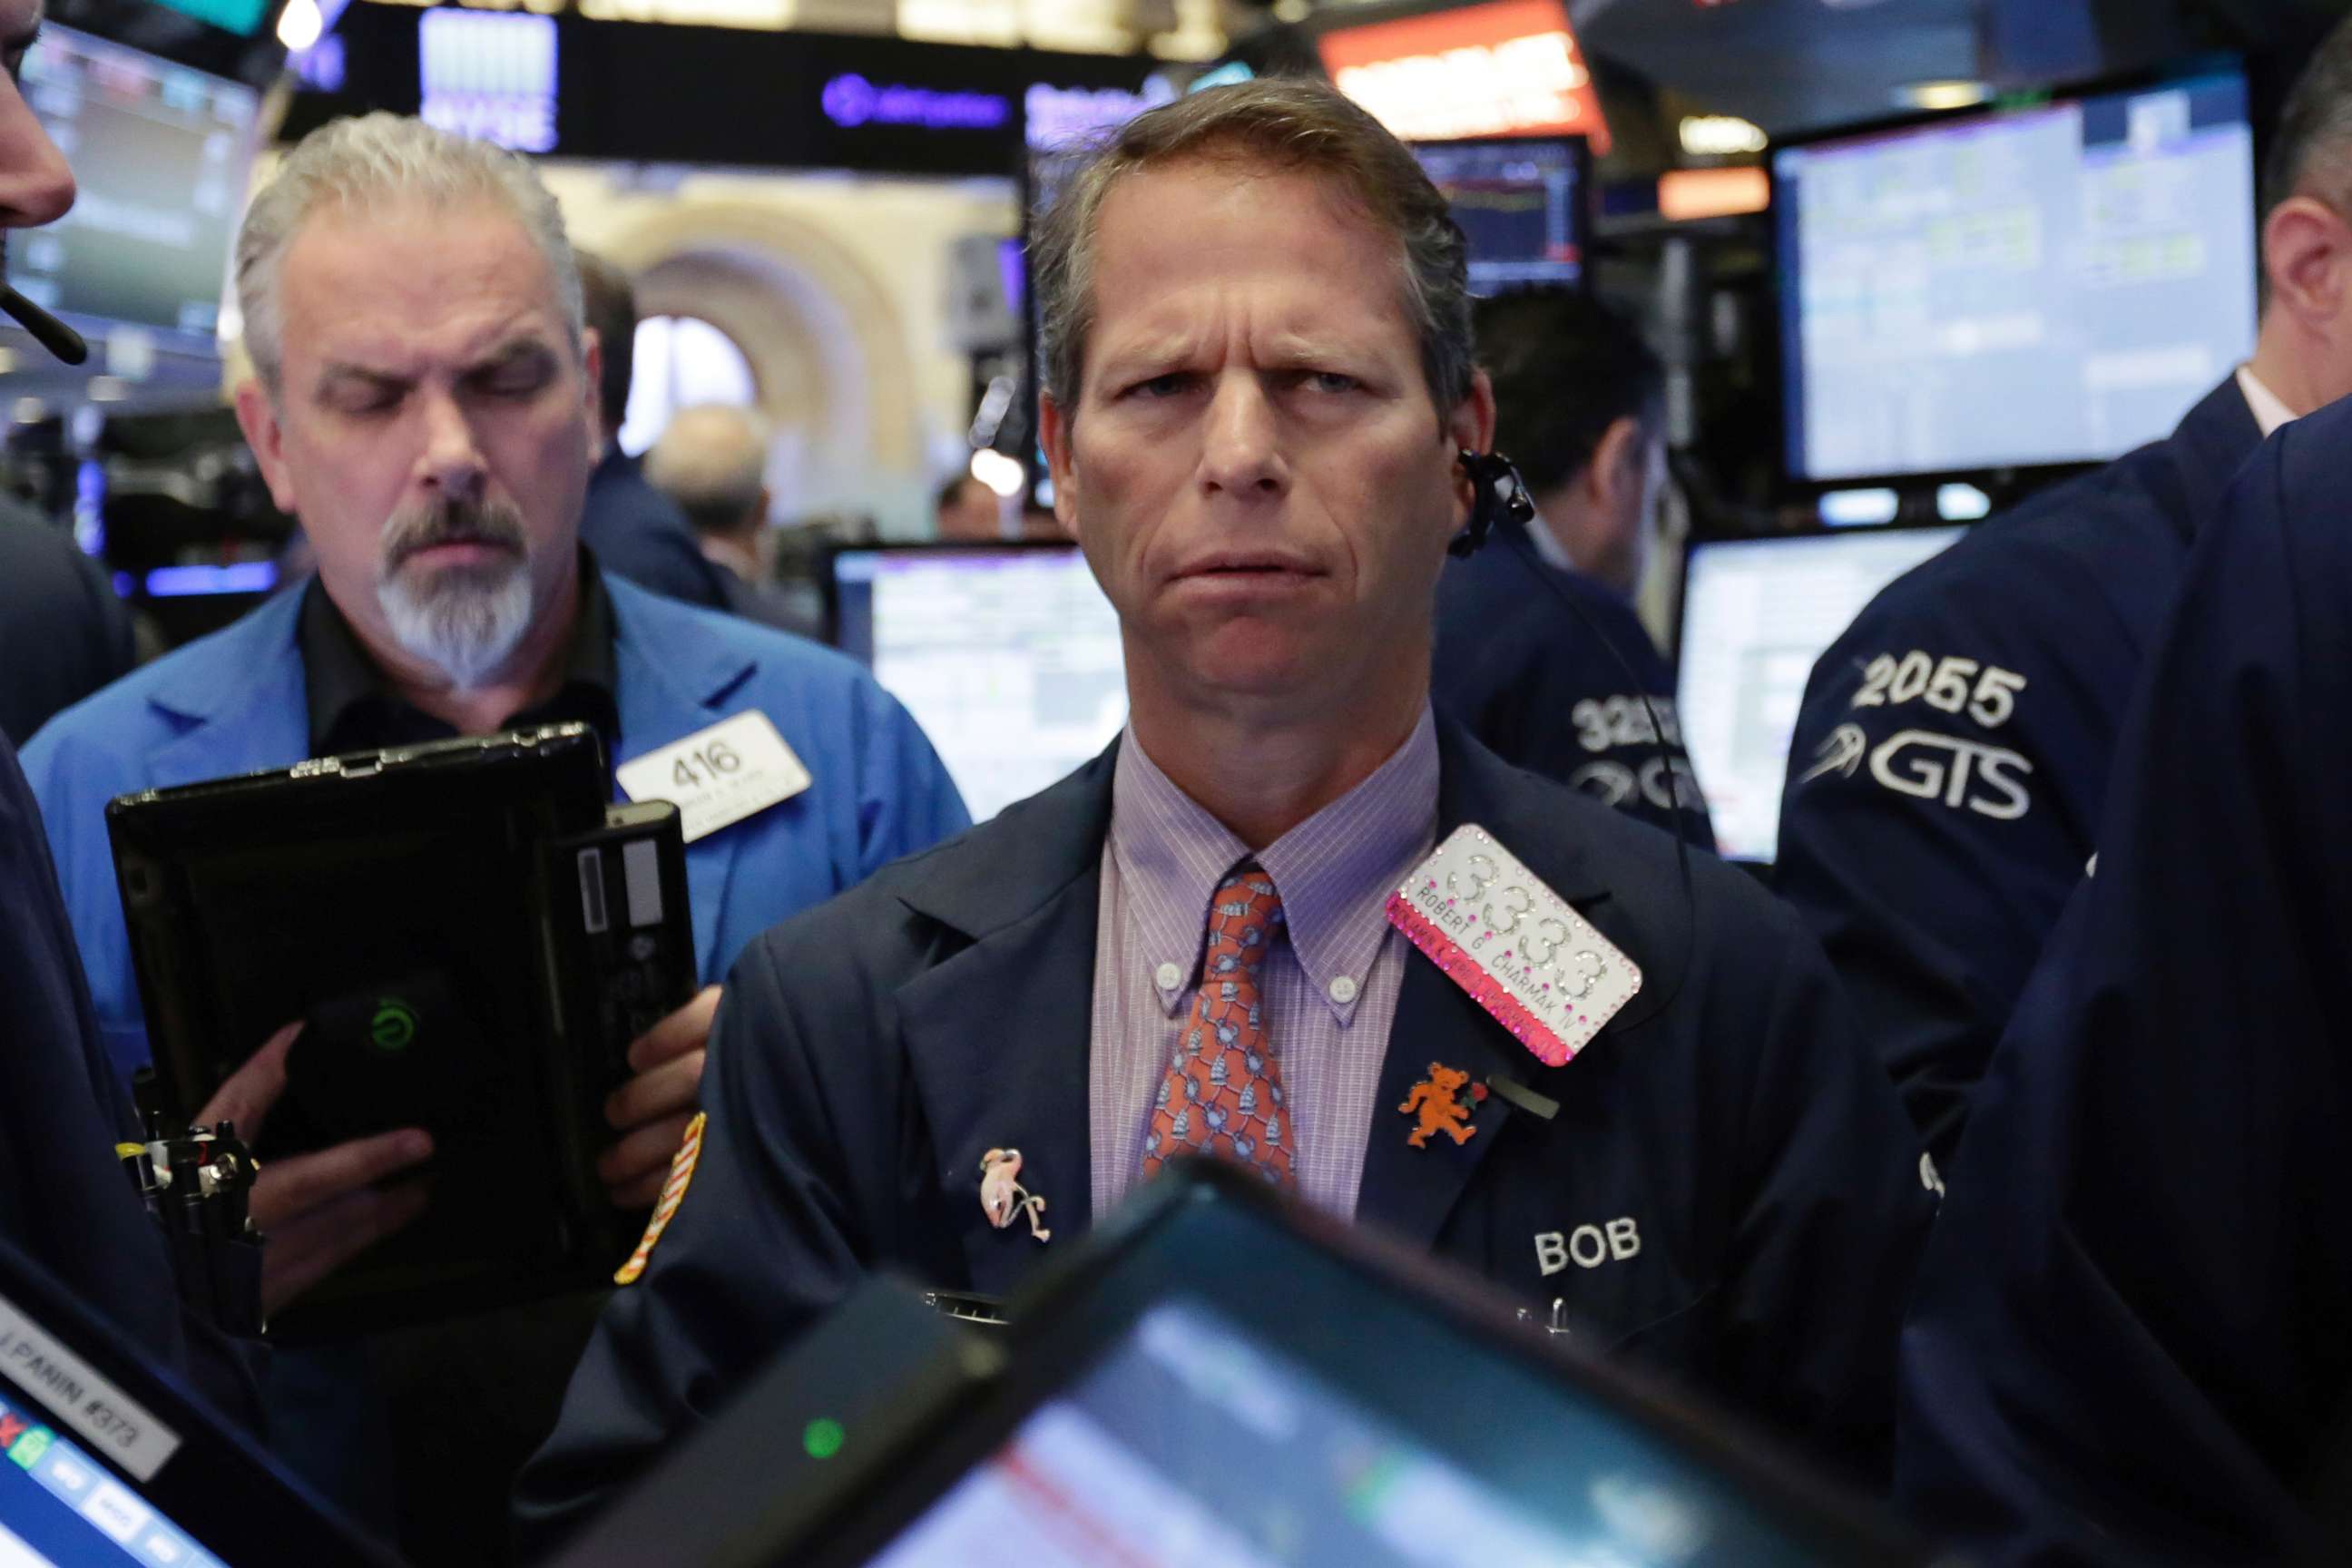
x: 827, y: 347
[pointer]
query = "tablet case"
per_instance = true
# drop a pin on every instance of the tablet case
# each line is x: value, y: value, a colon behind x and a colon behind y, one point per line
x: 472, y: 936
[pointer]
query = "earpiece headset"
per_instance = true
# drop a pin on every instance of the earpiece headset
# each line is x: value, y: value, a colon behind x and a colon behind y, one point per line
x: 1499, y: 495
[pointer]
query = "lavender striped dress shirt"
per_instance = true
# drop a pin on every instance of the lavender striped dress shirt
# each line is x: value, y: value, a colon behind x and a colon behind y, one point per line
x: 1330, y: 987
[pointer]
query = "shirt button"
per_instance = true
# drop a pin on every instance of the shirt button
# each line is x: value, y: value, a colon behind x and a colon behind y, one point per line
x: 1343, y: 991
x: 1167, y: 977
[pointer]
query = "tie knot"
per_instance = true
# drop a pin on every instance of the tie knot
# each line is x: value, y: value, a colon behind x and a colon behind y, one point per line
x: 1244, y: 914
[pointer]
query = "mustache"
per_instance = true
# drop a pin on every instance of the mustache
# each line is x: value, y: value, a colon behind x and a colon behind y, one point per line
x: 451, y: 522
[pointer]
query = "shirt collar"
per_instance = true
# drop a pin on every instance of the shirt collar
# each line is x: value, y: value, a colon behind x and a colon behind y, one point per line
x: 352, y: 707
x: 2270, y: 410
x: 1334, y: 871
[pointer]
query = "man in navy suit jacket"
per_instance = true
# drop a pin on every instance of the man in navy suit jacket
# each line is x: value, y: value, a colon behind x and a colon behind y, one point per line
x: 1540, y: 653
x: 635, y: 531
x: 2128, y: 1345
x: 1956, y: 744
x: 1255, y: 440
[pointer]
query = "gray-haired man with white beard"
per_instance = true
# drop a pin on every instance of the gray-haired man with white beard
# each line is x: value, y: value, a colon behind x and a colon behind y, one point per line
x: 425, y: 404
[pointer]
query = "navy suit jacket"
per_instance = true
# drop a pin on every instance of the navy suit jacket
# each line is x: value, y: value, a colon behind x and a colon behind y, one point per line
x: 1763, y: 1187
x: 1562, y: 689
x: 1940, y: 808
x: 63, y: 1198
x: 639, y: 534
x: 63, y: 633
x: 2130, y: 1343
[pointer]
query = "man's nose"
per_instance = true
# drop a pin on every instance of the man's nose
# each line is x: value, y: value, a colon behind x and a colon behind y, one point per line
x: 452, y: 463
x: 1243, y: 451
x: 35, y: 187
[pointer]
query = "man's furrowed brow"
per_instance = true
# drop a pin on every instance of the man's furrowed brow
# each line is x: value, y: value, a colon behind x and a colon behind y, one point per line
x: 339, y: 371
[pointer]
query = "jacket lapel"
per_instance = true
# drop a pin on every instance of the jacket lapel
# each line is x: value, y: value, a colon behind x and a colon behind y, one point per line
x: 674, y: 682
x: 241, y: 706
x: 998, y: 1035
x: 1407, y: 1191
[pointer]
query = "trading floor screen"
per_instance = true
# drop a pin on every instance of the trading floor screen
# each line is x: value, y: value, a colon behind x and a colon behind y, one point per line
x: 2051, y: 285
x: 1009, y: 659
x: 1519, y: 203
x: 1756, y: 613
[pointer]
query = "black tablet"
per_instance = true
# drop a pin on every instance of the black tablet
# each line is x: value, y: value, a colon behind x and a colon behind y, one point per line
x: 471, y: 936
x: 1218, y: 1376
x: 105, y: 1461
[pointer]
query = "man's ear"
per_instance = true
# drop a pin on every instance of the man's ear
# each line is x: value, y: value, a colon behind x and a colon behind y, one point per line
x: 1470, y: 427
x: 1053, y: 435
x: 2306, y: 252
x: 257, y: 415
x: 1614, y: 476
x: 592, y: 365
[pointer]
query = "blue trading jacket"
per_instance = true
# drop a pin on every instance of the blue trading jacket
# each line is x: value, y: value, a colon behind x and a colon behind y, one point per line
x: 1951, y: 756
x: 2129, y: 1343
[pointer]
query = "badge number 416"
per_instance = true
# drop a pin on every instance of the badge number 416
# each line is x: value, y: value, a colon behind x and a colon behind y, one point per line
x: 718, y: 776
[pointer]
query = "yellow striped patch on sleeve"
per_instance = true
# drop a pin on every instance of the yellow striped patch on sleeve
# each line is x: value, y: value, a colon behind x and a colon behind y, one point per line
x: 673, y: 1193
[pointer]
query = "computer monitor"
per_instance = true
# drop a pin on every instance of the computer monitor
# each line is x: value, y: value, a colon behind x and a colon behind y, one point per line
x: 1757, y: 614
x: 1008, y: 655
x: 2039, y: 286
x: 161, y: 155
x: 107, y: 1463
x: 1520, y: 202
x: 1152, y: 1404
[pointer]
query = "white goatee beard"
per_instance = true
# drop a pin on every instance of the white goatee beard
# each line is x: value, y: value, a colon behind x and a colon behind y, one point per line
x: 464, y: 622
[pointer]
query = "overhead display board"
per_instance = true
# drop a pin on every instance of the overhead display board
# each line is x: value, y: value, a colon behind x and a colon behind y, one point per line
x: 1509, y: 67
x: 649, y: 92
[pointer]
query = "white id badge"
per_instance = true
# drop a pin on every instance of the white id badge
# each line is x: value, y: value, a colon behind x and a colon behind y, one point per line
x: 1543, y: 971
x: 716, y: 778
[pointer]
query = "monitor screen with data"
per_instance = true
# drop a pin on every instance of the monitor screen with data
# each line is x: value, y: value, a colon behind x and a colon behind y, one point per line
x: 105, y: 1464
x: 1196, y: 1441
x: 1520, y: 203
x: 1008, y: 657
x: 1757, y: 614
x: 2049, y: 285
x: 160, y: 153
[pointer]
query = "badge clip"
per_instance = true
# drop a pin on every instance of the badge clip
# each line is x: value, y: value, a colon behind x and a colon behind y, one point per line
x: 1001, y: 1195
x: 1542, y: 1106
x: 1438, y: 1103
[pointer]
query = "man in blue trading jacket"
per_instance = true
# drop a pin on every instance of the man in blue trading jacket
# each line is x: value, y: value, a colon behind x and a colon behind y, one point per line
x: 2128, y: 1345
x: 424, y: 404
x: 1255, y: 437
x: 1539, y: 654
x: 1952, y: 754
x: 636, y: 532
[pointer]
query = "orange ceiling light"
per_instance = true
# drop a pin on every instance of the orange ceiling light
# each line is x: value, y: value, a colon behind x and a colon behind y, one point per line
x: 1509, y: 67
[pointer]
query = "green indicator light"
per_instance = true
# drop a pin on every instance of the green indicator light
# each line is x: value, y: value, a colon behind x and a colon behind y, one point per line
x: 824, y: 1438
x: 393, y: 1025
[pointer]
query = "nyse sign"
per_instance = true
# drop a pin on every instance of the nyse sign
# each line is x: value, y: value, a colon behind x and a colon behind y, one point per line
x: 489, y: 77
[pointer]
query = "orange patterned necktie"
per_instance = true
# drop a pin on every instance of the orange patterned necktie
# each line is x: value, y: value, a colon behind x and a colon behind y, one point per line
x: 1223, y: 1092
